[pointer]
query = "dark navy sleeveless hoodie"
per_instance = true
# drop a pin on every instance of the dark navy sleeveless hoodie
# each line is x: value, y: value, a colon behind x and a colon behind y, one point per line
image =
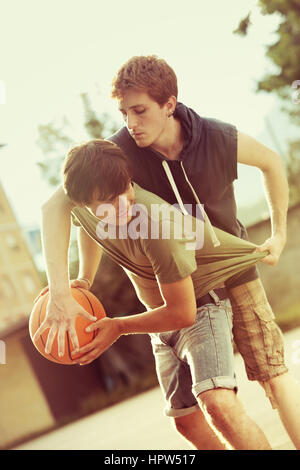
x: 209, y: 158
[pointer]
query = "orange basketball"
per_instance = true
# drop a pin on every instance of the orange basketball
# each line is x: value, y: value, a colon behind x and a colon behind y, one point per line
x: 89, y: 302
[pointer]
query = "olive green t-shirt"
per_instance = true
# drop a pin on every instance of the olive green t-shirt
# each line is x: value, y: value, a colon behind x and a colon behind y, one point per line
x: 161, y: 244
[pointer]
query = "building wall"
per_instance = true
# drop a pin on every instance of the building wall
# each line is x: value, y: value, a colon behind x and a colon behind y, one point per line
x: 19, y: 280
x: 23, y: 407
x: 24, y: 410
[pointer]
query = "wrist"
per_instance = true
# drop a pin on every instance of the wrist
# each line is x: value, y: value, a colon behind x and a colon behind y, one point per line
x: 59, y: 291
x: 120, y: 325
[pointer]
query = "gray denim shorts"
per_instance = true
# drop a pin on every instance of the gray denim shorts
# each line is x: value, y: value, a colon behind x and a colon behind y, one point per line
x: 195, y: 359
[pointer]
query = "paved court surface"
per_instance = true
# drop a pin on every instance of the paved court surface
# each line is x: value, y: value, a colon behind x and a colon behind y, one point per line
x: 138, y: 423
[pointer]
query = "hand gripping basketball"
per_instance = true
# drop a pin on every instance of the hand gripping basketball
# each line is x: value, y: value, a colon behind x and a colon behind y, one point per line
x: 65, y: 318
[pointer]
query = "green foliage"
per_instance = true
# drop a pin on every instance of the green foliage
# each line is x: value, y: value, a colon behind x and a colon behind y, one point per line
x: 284, y: 53
x: 242, y: 28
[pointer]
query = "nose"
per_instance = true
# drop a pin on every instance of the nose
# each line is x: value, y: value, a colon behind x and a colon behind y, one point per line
x: 131, y: 122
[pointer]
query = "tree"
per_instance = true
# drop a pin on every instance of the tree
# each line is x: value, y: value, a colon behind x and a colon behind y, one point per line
x: 285, y: 55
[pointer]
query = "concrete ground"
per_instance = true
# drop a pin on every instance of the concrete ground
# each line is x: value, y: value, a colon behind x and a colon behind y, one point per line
x: 138, y: 423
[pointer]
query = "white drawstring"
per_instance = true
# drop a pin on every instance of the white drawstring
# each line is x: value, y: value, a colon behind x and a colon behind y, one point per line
x: 174, y: 187
x: 214, y: 237
x: 165, y: 165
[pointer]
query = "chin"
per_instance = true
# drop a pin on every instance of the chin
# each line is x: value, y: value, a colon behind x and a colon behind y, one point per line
x: 142, y: 142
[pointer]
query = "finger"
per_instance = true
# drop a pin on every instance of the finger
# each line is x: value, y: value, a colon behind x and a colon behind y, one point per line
x: 44, y: 326
x: 270, y: 259
x: 74, y: 339
x: 80, y: 283
x: 43, y: 292
x: 85, y: 349
x: 94, y: 326
x: 87, y: 358
x: 77, y: 283
x: 61, y: 340
x: 88, y: 316
x: 50, y: 339
x: 261, y: 248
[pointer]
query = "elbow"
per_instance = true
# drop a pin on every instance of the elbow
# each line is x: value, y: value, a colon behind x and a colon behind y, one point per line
x: 190, y: 319
x: 185, y: 317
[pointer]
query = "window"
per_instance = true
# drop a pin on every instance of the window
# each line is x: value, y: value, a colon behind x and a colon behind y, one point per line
x: 12, y: 242
x: 7, y: 290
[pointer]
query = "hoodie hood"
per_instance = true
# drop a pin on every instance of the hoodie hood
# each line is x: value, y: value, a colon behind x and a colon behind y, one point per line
x: 192, y: 126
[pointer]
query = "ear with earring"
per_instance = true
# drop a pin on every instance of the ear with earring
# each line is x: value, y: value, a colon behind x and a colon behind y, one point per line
x: 170, y: 114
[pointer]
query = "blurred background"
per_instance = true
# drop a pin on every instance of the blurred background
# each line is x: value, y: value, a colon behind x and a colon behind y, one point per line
x: 235, y: 61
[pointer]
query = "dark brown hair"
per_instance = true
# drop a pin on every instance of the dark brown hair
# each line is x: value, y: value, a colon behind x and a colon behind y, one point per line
x: 148, y: 73
x: 96, y: 165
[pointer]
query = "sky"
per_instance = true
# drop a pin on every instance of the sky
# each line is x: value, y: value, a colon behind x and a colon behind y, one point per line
x: 51, y: 51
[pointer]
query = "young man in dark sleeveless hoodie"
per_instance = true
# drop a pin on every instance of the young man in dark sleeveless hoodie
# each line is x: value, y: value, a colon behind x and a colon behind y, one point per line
x: 183, y: 157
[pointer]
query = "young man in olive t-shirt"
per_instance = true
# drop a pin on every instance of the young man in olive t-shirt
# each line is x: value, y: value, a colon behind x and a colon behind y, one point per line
x: 173, y: 259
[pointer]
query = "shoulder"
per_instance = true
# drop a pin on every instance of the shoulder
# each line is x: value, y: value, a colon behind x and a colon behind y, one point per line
x: 219, y: 129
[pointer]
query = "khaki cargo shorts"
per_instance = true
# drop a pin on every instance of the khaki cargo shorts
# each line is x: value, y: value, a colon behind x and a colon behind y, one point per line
x: 256, y: 335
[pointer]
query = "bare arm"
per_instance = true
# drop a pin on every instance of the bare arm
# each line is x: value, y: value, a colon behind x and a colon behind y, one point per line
x: 178, y: 311
x: 253, y: 153
x: 90, y: 254
x: 56, y: 228
x: 62, y: 308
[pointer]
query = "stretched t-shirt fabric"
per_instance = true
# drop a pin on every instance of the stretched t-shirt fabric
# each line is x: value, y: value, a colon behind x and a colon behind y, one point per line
x: 208, y: 159
x: 163, y: 244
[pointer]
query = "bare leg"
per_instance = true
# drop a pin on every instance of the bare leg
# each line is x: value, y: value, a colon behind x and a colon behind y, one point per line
x: 285, y: 392
x: 228, y: 417
x: 195, y: 428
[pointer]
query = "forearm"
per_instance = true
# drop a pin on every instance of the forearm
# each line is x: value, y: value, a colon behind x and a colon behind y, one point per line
x: 154, y: 321
x: 177, y: 312
x: 89, y: 255
x: 56, y: 219
x: 277, y: 193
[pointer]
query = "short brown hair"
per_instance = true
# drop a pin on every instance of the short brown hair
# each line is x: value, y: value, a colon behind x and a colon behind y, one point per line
x: 148, y: 73
x: 97, y: 164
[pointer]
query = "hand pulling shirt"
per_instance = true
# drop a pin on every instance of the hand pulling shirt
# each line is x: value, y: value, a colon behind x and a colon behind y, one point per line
x: 204, y: 173
x: 159, y: 243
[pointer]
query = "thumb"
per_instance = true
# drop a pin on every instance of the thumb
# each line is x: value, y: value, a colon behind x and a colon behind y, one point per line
x: 263, y: 247
x: 43, y: 292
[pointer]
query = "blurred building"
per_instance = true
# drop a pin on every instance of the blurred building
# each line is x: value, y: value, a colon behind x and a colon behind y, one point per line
x: 19, y: 278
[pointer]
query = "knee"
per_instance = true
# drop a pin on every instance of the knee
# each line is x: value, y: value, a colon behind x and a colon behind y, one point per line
x: 220, y: 405
x: 187, y: 424
x: 183, y: 424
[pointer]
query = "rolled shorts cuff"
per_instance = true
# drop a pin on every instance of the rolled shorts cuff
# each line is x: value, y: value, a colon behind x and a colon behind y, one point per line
x: 208, y: 384
x: 215, y: 382
x: 271, y: 373
x: 176, y: 413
